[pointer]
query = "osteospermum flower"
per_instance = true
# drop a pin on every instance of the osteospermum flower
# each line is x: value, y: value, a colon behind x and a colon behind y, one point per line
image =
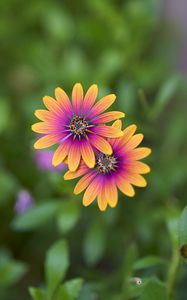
x: 119, y: 170
x: 74, y: 125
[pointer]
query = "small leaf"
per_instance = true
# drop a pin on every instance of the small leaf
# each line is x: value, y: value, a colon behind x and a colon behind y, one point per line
x: 148, y: 261
x: 37, y: 294
x: 165, y: 95
x: 94, y: 243
x: 154, y: 289
x: 10, y: 272
x: 70, y: 289
x: 68, y: 215
x: 183, y: 233
x: 56, y: 265
x: 35, y: 217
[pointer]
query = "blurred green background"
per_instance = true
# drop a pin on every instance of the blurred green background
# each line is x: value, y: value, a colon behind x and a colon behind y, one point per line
x: 128, y: 48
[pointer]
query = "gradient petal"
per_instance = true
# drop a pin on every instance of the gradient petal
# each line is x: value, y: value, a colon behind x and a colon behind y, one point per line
x: 61, y: 153
x: 47, y: 141
x: 89, y: 98
x: 43, y: 127
x: 125, y: 187
x: 74, y: 156
x: 108, y: 131
x: 102, y: 105
x: 101, y: 144
x: 108, y: 117
x: 77, y: 97
x: 88, y: 154
x: 136, y: 180
x: 91, y: 192
x: 138, y: 167
x: 43, y: 114
x: 111, y: 193
x: 133, y: 142
x: 83, y: 169
x: 127, y: 134
x: 102, y: 200
x: 84, y: 182
x: 63, y: 100
x: 52, y: 105
x: 139, y: 153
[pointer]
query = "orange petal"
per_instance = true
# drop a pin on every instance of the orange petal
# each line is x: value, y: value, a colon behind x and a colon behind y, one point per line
x: 138, y: 167
x: 42, y: 127
x: 61, y: 153
x: 77, y: 97
x: 139, y: 153
x: 127, y: 133
x: 84, y: 182
x: 83, y: 169
x: 108, y: 117
x: 91, y: 192
x: 74, y: 157
x: 46, y: 141
x: 133, y: 142
x: 101, y: 144
x: 101, y: 200
x: 102, y: 105
x: 108, y: 131
x: 90, y: 98
x: 88, y: 154
x: 52, y: 105
x: 63, y: 100
x: 43, y: 115
x: 117, y: 124
x: 111, y: 194
x: 136, y: 180
x: 125, y: 187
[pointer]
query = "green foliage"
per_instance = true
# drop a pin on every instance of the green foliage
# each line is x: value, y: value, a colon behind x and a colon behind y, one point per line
x: 128, y: 49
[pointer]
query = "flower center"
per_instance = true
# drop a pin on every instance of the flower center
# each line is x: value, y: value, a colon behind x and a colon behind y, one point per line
x: 106, y: 163
x: 78, y: 126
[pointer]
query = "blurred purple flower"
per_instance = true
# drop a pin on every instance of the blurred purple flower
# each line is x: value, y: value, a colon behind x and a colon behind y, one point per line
x: 24, y: 202
x: 44, y: 161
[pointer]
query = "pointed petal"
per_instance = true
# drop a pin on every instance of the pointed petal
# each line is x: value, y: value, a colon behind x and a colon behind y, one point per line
x: 47, y: 141
x: 133, y: 142
x: 108, y: 117
x: 102, y: 105
x: 138, y: 167
x: 84, y: 182
x: 74, y: 156
x: 91, y: 192
x: 83, y: 169
x: 125, y: 187
x: 101, y: 200
x: 111, y: 193
x: 77, y: 97
x: 136, y: 180
x: 43, y: 114
x: 117, y: 124
x: 61, y: 152
x: 88, y: 154
x: 108, y: 131
x: 89, y: 98
x: 139, y: 153
x: 101, y: 144
x: 63, y: 100
x: 127, y: 134
x: 52, y: 105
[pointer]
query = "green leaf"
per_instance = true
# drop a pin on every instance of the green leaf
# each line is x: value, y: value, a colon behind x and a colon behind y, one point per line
x: 56, y: 265
x: 11, y: 271
x: 148, y: 261
x: 37, y: 294
x: 154, y: 289
x: 165, y: 95
x: 68, y: 215
x: 35, y: 217
x: 70, y: 289
x: 94, y: 243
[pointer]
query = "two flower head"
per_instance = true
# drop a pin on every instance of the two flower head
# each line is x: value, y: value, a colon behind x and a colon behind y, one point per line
x: 106, y: 156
